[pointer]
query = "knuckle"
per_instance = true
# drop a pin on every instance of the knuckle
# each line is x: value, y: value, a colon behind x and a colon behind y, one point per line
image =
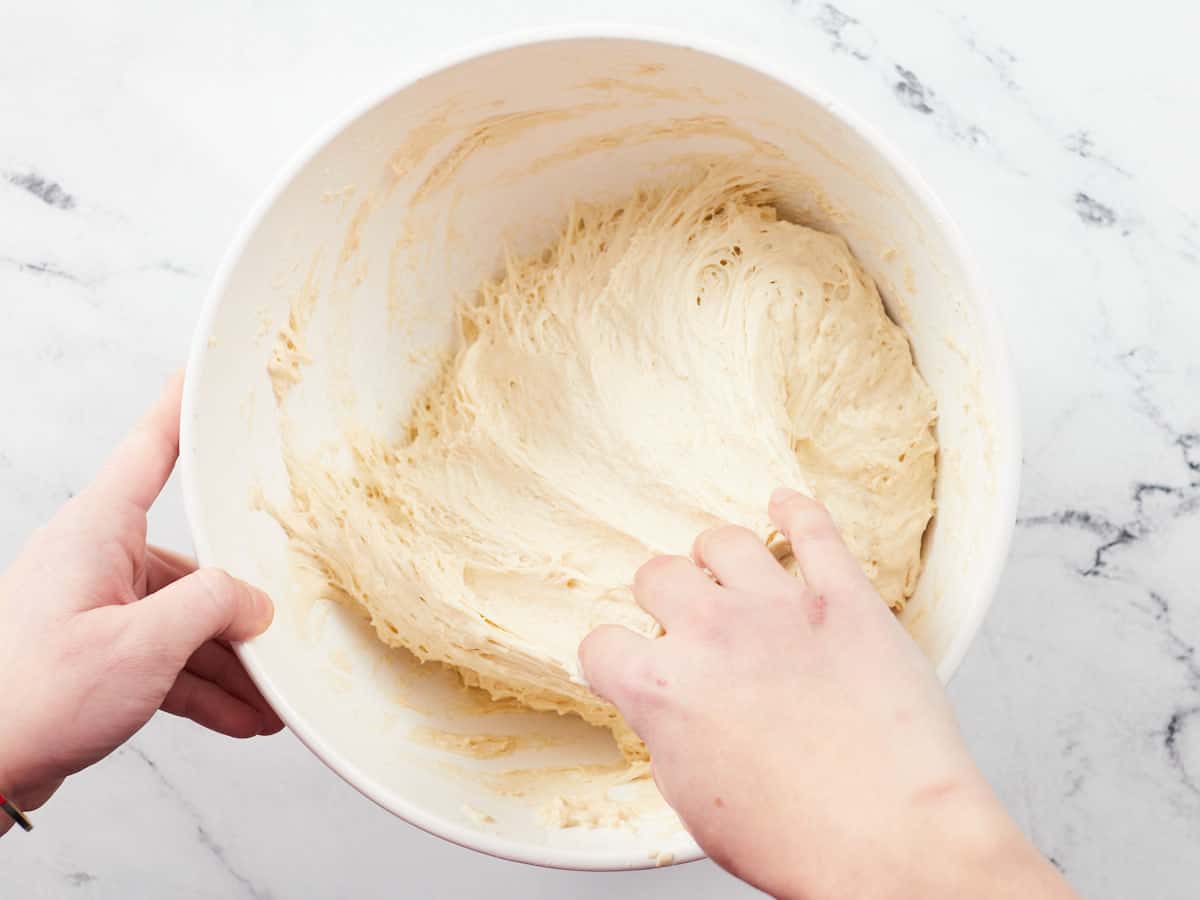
x: 732, y: 538
x: 112, y: 553
x: 217, y: 587
x: 217, y: 580
x: 709, y: 625
x: 707, y: 620
x: 792, y: 589
x: 599, y: 653
x: 727, y: 534
x: 741, y: 535
x: 782, y: 603
x: 793, y: 601
x: 131, y: 521
x: 657, y: 571
x: 643, y: 681
x: 806, y: 518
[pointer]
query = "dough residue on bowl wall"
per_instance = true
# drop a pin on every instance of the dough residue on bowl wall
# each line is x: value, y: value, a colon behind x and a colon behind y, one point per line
x: 658, y: 369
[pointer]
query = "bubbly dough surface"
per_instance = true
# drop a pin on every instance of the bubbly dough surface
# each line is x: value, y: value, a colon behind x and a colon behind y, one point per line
x: 661, y: 368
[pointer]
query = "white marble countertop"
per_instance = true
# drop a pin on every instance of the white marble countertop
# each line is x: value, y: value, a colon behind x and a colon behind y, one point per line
x: 134, y: 137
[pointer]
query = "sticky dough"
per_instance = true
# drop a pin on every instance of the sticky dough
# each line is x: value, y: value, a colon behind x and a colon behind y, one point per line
x: 659, y: 369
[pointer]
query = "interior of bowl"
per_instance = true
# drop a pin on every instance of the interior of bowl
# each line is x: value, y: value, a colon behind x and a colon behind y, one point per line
x: 367, y: 245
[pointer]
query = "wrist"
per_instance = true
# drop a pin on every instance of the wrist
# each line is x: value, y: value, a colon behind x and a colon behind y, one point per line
x: 12, y: 785
x: 961, y: 843
x: 12, y: 810
x: 21, y: 788
x: 971, y: 847
x: 13, y: 805
x: 944, y: 845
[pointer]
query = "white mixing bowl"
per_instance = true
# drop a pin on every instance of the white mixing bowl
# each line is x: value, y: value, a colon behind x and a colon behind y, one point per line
x: 407, y: 202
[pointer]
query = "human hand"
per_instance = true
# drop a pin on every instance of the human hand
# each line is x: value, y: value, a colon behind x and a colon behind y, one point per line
x: 99, y: 629
x: 799, y: 732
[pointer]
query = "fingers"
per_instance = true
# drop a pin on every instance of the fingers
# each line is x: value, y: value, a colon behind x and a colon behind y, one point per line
x: 668, y: 587
x: 740, y: 560
x: 825, y: 562
x: 201, y: 606
x: 140, y: 465
x: 609, y: 655
x: 165, y: 567
x: 206, y: 704
x: 178, y: 561
x: 220, y: 666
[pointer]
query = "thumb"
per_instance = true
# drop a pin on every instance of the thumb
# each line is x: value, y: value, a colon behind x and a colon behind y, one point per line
x: 208, y: 603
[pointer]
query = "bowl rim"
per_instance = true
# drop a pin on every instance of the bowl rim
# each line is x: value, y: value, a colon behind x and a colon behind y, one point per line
x: 1007, y: 448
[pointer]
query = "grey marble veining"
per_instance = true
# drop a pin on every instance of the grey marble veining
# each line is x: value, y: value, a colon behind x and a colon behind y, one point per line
x: 1060, y: 136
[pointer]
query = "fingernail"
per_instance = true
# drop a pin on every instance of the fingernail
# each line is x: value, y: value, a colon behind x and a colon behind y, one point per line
x: 782, y: 495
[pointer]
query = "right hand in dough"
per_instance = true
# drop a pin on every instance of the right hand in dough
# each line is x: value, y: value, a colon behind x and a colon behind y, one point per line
x: 799, y: 732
